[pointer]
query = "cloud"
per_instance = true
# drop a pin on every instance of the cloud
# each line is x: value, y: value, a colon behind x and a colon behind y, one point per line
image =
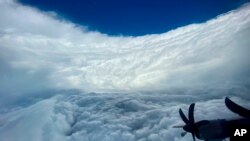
x: 109, y: 116
x: 39, y: 50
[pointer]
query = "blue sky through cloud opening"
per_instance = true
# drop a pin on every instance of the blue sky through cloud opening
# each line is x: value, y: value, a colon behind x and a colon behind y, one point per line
x: 135, y: 18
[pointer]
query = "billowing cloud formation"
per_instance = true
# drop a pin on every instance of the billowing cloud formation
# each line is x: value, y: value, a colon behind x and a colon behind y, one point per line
x: 109, y: 117
x: 44, y: 55
x: 38, y: 51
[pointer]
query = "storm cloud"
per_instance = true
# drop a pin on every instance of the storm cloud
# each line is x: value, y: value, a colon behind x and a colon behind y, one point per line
x: 40, y: 50
x: 51, y: 65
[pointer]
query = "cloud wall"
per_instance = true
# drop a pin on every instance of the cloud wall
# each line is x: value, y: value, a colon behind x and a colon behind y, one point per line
x: 39, y: 50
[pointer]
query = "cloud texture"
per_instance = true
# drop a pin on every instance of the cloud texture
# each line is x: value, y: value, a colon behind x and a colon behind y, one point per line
x: 144, y: 80
x: 109, y: 117
x: 40, y: 50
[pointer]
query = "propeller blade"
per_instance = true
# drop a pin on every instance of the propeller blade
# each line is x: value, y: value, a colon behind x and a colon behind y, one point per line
x: 183, y: 134
x: 193, y: 136
x: 237, y: 108
x: 191, y: 113
x: 183, y: 117
x: 178, y: 126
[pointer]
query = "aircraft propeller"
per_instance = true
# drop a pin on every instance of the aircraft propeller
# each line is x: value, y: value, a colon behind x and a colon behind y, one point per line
x: 190, y: 123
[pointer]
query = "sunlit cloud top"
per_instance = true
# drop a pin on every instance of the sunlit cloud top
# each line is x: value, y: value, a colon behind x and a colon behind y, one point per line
x: 39, y: 50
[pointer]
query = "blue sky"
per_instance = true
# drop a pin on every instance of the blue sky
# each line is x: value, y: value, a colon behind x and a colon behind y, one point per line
x: 133, y: 18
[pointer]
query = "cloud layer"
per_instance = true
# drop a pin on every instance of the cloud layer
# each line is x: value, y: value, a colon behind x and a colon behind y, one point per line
x: 42, y: 54
x: 39, y: 50
x: 109, y: 117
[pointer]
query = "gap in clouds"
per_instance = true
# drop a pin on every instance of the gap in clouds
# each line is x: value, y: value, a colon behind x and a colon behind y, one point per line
x: 136, y: 18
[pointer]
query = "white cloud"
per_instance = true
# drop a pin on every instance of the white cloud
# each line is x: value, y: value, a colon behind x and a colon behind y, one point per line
x: 109, y: 117
x: 40, y: 51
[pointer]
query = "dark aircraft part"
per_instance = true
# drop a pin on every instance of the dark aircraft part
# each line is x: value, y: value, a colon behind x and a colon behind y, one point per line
x: 237, y: 108
x: 218, y: 129
x: 191, y: 113
x: 213, y: 129
x: 190, y: 123
x: 183, y: 117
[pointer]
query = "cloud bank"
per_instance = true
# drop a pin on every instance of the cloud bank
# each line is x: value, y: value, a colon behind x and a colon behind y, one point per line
x: 39, y: 50
x: 109, y: 117
x: 42, y: 54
